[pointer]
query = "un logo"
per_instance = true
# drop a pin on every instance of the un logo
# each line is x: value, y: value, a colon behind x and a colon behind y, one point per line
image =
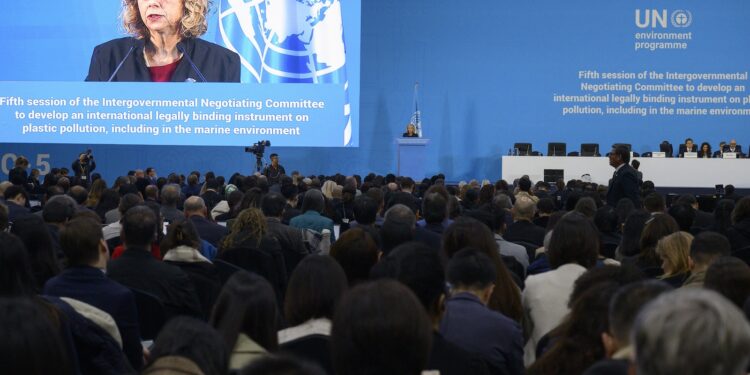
x: 681, y: 18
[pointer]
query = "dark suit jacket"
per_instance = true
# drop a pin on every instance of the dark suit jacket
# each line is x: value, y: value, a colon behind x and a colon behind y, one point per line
x: 15, y: 211
x: 136, y: 268
x: 525, y: 231
x: 737, y: 149
x: 450, y: 359
x: 684, y: 149
x: 91, y: 286
x: 216, y: 63
x: 477, y: 329
x: 290, y: 239
x: 208, y: 230
x: 624, y: 184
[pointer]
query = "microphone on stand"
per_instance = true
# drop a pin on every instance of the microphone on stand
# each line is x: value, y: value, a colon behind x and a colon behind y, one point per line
x: 197, y: 71
x: 130, y: 51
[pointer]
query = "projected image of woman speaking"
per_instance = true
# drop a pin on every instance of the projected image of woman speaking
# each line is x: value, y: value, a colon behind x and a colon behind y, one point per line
x: 164, y: 46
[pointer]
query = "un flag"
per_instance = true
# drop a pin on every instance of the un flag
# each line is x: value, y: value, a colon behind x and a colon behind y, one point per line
x: 287, y: 41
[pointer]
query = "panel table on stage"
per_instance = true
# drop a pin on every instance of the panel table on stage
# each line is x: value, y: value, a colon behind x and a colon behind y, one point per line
x: 664, y: 172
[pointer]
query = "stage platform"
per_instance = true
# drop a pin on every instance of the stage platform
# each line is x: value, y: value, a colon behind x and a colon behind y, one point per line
x: 664, y: 172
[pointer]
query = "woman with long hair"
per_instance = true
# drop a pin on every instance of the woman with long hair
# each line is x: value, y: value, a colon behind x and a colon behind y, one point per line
x: 246, y: 316
x: 468, y: 232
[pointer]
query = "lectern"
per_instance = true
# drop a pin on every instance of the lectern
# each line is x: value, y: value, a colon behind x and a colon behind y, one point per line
x: 412, y: 156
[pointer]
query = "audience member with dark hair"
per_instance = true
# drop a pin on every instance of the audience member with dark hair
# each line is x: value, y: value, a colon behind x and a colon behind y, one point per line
x: 722, y: 216
x: 623, y: 309
x: 290, y: 239
x: 706, y: 248
x: 691, y: 332
x: 188, y: 346
x: 545, y: 207
x: 16, y: 199
x: 181, y: 248
x: 37, y: 240
x: 29, y: 343
x: 656, y: 228
x: 108, y: 201
x: 576, y: 342
x: 684, y: 215
x: 468, y: 232
x: 113, y: 230
x: 367, y: 338
x: 468, y: 322
x: 398, y: 227
x: 435, y: 210
x: 365, y: 211
x: 731, y: 278
x: 356, y: 252
x: 315, y: 288
x: 632, y: 228
x: 739, y: 232
x: 311, y: 217
x: 420, y: 268
x: 654, y: 203
x: 573, y: 248
x: 138, y: 269
x: 84, y: 280
x: 586, y: 206
x: 246, y: 317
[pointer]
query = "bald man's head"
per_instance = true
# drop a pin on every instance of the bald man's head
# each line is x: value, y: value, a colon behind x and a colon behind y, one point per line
x: 195, y: 206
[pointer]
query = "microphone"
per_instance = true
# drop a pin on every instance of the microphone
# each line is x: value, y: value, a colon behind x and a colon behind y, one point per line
x: 197, y: 71
x: 130, y: 51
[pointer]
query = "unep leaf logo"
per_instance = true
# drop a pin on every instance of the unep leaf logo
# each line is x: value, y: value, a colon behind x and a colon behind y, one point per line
x: 681, y: 18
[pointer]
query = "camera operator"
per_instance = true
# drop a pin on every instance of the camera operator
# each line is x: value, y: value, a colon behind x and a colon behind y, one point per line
x: 274, y: 171
x: 83, y: 166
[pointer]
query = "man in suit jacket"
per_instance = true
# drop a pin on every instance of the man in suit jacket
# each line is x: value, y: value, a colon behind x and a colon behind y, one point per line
x: 523, y: 229
x: 470, y: 324
x: 689, y: 146
x: 137, y: 269
x: 290, y: 239
x: 196, y: 211
x: 734, y: 147
x: 15, y: 199
x: 624, y: 182
x: 84, y: 280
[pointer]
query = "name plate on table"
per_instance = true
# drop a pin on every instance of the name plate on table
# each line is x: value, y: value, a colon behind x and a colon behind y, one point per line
x: 730, y: 155
x: 658, y: 154
x: 690, y: 155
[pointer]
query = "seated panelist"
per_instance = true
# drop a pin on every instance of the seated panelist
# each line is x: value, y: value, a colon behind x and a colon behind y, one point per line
x: 164, y: 46
x: 705, y: 151
x: 688, y: 146
x: 734, y: 147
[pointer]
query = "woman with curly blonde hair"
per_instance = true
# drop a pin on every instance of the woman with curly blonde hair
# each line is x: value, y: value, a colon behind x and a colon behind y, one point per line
x: 249, y: 246
x: 164, y: 46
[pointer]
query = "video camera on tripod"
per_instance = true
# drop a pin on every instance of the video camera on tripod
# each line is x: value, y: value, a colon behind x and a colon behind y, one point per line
x: 258, y: 148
